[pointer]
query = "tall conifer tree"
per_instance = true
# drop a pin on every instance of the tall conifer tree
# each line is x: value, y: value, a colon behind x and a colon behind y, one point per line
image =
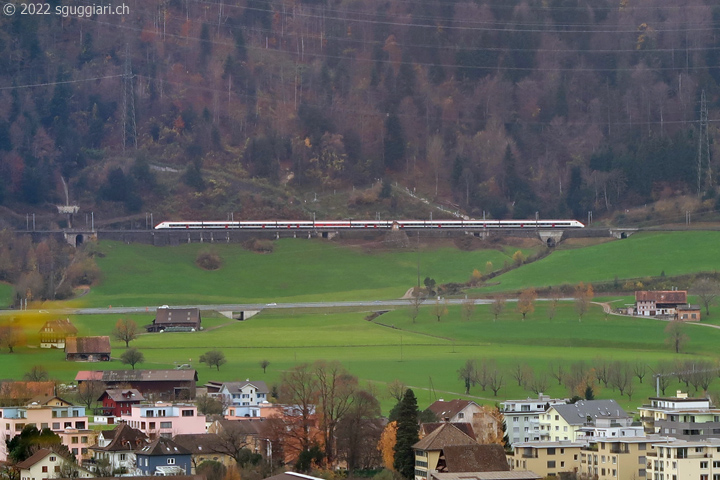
x: 407, y: 435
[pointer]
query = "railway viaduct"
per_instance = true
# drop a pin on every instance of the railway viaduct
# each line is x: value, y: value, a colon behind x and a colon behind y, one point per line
x: 76, y: 237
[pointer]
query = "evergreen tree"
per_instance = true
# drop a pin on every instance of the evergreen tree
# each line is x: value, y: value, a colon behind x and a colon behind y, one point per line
x: 589, y: 393
x: 394, y: 143
x: 407, y: 435
x: 506, y: 438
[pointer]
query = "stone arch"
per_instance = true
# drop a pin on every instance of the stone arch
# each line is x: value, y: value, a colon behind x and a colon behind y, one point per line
x: 79, y: 239
x: 551, y: 242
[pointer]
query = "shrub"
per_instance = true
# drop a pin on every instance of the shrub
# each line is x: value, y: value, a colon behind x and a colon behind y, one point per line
x: 208, y: 260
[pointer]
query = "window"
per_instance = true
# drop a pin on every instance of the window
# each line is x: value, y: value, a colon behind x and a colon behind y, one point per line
x: 171, y: 461
x: 461, y: 415
x: 44, y: 469
x: 165, y: 424
x: 188, y: 413
x: 42, y: 425
x: 122, y: 457
x: 551, y: 464
x: 56, y: 426
x: 703, y: 465
x: 83, y: 439
x: 74, y: 451
x: 74, y: 440
x: 515, y: 419
x: 551, y: 451
x: 614, y: 473
x: 152, y: 425
x: 53, y: 458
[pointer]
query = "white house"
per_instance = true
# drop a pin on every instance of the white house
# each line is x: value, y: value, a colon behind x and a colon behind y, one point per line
x: 244, y: 399
x: 117, y: 448
x: 46, y: 463
x: 522, y: 417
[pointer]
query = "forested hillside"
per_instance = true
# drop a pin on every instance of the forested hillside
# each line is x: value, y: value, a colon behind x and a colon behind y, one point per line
x: 190, y: 107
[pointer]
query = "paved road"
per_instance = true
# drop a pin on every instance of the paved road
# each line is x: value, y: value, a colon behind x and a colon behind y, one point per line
x: 239, y: 307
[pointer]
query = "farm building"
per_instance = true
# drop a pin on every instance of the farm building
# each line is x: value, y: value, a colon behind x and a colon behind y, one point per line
x: 659, y: 302
x: 167, y: 384
x: 175, y: 320
x: 87, y: 349
x: 54, y: 333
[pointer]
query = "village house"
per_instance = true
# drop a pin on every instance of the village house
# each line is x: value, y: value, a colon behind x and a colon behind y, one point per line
x: 447, y: 449
x: 682, y: 417
x: 244, y: 399
x: 204, y: 447
x: 659, y: 302
x: 522, y: 417
x: 114, y: 452
x: 165, y: 419
x: 54, y: 333
x: 584, y: 420
x: 47, y: 412
x: 87, y: 349
x: 165, y: 384
x: 163, y: 457
x: 484, y: 424
x: 46, y: 463
x: 118, y: 401
x: 175, y: 320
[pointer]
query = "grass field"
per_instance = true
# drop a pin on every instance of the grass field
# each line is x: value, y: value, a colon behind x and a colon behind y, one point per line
x: 641, y: 255
x: 425, y: 354
x: 297, y: 270
x: 5, y: 293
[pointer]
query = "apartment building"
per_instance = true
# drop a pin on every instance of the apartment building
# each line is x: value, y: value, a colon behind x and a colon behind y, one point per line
x: 547, y: 458
x: 165, y: 419
x: 684, y: 460
x: 522, y: 417
x: 682, y: 417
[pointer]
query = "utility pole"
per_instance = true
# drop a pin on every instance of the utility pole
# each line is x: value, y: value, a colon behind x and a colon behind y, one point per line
x: 703, y: 159
x: 129, y: 130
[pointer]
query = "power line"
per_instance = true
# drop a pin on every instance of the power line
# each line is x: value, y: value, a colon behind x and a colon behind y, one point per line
x: 49, y: 84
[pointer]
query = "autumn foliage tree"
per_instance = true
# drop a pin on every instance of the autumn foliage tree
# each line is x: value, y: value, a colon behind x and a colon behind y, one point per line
x: 583, y: 296
x: 126, y: 330
x: 526, y: 302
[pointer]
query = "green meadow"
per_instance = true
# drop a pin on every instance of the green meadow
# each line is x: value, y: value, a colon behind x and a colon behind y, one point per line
x: 640, y: 255
x: 425, y: 354
x: 296, y: 271
x: 5, y: 293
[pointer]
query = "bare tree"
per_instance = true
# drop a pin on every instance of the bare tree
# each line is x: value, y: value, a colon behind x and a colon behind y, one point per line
x: 620, y: 376
x: 663, y: 375
x: 557, y: 371
x: 468, y: 308
x: 299, y: 390
x: 126, y: 330
x: 583, y: 296
x: 358, y: 432
x: 336, y: 393
x: 601, y: 370
x: 707, y: 291
x: 497, y: 307
x: 89, y: 392
x: 37, y: 373
x: 553, y: 304
x: 630, y: 389
x: 640, y: 370
x: 676, y: 337
x: 415, y: 301
x: 233, y: 441
x: 468, y: 373
x: 440, y: 309
x: 526, y: 302
x: 577, y: 377
x: 397, y: 389
x: 484, y: 370
x: 264, y: 364
x: 496, y: 381
x: 538, y: 384
x: 521, y: 372
x: 701, y: 375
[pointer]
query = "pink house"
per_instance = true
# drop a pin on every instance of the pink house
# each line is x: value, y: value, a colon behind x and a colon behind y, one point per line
x: 165, y: 419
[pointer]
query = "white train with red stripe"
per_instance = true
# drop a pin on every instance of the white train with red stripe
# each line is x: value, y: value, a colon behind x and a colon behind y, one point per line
x: 366, y: 224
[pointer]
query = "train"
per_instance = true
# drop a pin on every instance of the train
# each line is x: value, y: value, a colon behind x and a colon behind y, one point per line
x: 365, y: 224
